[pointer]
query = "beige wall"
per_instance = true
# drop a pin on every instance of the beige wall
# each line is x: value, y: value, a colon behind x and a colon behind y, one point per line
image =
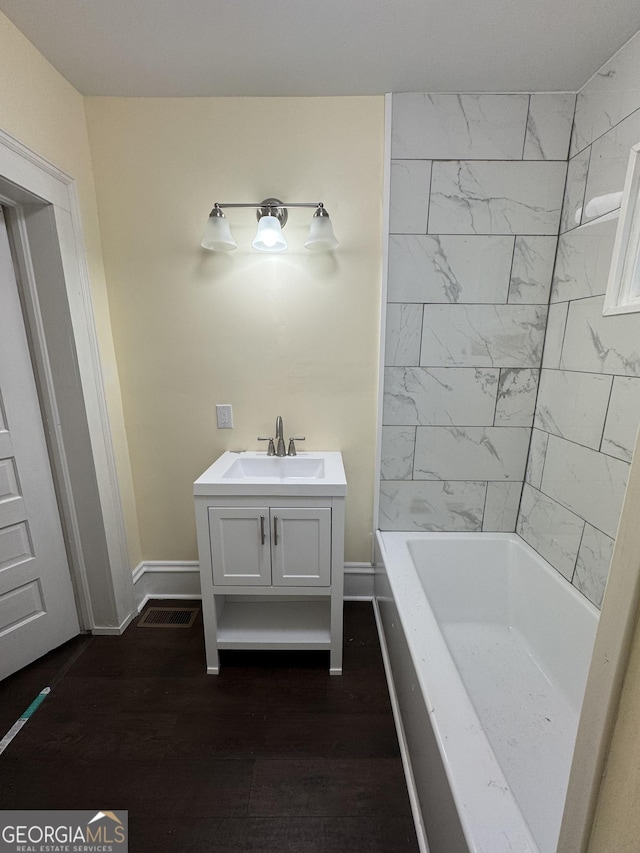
x: 40, y: 109
x: 293, y: 334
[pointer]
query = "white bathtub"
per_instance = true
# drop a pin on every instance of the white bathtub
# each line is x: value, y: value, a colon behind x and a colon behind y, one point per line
x: 489, y: 649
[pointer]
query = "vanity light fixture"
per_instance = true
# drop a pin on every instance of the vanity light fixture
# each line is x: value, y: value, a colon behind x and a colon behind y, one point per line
x: 272, y: 215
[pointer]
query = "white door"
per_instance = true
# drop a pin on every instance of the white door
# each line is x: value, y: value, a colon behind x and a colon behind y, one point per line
x: 37, y: 607
x: 301, y: 546
x: 240, y: 545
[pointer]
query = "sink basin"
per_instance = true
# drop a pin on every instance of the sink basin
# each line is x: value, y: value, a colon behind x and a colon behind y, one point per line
x: 255, y: 473
x: 280, y: 467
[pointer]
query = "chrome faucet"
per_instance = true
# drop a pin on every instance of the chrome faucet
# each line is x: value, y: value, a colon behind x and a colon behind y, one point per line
x: 281, y: 450
x: 278, y: 449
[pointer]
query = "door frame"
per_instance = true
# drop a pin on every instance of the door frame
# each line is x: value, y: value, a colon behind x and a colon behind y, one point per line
x: 43, y: 219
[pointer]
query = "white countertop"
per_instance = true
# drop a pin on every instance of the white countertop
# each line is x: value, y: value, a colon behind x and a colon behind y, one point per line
x: 293, y: 475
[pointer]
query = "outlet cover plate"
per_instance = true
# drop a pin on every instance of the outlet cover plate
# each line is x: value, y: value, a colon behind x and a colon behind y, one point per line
x: 224, y: 415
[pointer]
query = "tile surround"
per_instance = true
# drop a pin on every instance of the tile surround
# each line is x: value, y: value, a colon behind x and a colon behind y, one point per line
x: 535, y: 459
x: 484, y: 197
x: 501, y: 506
x: 531, y: 270
x: 552, y: 529
x: 611, y: 95
x: 439, y: 396
x: 475, y: 255
x: 432, y: 505
x: 549, y: 126
x: 587, y: 411
x: 573, y: 405
x: 600, y: 344
x: 610, y: 157
x: 409, y: 202
x: 574, y: 191
x: 470, y: 453
x: 516, y: 399
x: 586, y: 353
x: 403, y: 333
x: 583, y: 261
x: 554, y: 338
x: 623, y: 417
x: 592, y: 565
x: 483, y: 335
x: 449, y: 268
x: 479, y: 198
x: 452, y: 127
x: 398, y: 445
x: 589, y: 483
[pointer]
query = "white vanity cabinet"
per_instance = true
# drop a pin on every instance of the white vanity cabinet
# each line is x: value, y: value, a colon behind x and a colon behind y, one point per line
x: 271, y: 553
x: 263, y: 546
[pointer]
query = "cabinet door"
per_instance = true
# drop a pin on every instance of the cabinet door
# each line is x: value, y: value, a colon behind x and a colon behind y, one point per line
x: 240, y: 545
x: 301, y: 546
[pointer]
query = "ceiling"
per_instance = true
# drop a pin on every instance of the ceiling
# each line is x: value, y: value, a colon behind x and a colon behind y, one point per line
x: 324, y: 47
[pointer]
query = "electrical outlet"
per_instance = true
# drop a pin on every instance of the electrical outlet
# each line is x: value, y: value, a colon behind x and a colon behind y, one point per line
x: 224, y: 415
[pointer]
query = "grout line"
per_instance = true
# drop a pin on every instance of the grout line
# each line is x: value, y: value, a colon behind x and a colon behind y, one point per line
x: 495, y: 405
x: 500, y: 159
x: 424, y: 308
x: 573, y: 126
x: 606, y: 416
x: 609, y: 129
x: 429, y: 198
x: 575, y: 565
x: 578, y: 443
x: 526, y: 128
x: 588, y: 372
x: 513, y: 258
x: 482, y: 233
x: 484, y: 505
x: 568, y: 508
x: 586, y: 182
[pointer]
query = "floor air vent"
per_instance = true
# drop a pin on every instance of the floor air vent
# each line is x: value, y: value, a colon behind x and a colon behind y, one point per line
x: 168, y: 617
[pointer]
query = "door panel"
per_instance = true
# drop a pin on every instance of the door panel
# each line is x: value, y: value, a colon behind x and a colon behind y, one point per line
x: 301, y: 547
x: 240, y: 545
x: 37, y: 606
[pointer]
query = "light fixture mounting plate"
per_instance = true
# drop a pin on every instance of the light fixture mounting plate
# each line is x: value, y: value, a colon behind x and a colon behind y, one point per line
x: 274, y: 207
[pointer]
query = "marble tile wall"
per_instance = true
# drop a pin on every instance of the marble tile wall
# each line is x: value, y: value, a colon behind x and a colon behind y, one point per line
x: 477, y: 186
x: 588, y: 406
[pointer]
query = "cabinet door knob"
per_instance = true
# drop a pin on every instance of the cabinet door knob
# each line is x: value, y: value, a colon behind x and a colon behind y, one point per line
x: 262, y: 535
x: 275, y: 529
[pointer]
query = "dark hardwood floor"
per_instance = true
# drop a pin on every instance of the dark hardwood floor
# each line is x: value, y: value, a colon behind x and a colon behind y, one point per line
x: 271, y: 755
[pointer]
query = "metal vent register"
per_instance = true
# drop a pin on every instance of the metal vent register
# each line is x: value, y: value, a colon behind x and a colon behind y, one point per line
x: 168, y: 617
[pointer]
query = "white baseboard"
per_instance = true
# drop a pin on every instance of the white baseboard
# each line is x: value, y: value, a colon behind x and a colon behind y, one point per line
x: 358, y: 581
x: 165, y: 579
x: 115, y: 631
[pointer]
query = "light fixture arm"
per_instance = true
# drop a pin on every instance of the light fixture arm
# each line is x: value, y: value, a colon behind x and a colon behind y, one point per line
x: 268, y: 202
x: 271, y: 207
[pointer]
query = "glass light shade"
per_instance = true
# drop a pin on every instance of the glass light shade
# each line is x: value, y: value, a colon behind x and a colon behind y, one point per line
x: 321, y: 237
x: 217, y: 235
x: 269, y: 235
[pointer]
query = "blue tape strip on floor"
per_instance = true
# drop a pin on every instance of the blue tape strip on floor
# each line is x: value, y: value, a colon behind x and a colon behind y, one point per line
x: 15, y: 728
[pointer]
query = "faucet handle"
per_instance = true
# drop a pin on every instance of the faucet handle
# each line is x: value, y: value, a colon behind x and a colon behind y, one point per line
x: 292, y: 448
x: 271, y: 451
